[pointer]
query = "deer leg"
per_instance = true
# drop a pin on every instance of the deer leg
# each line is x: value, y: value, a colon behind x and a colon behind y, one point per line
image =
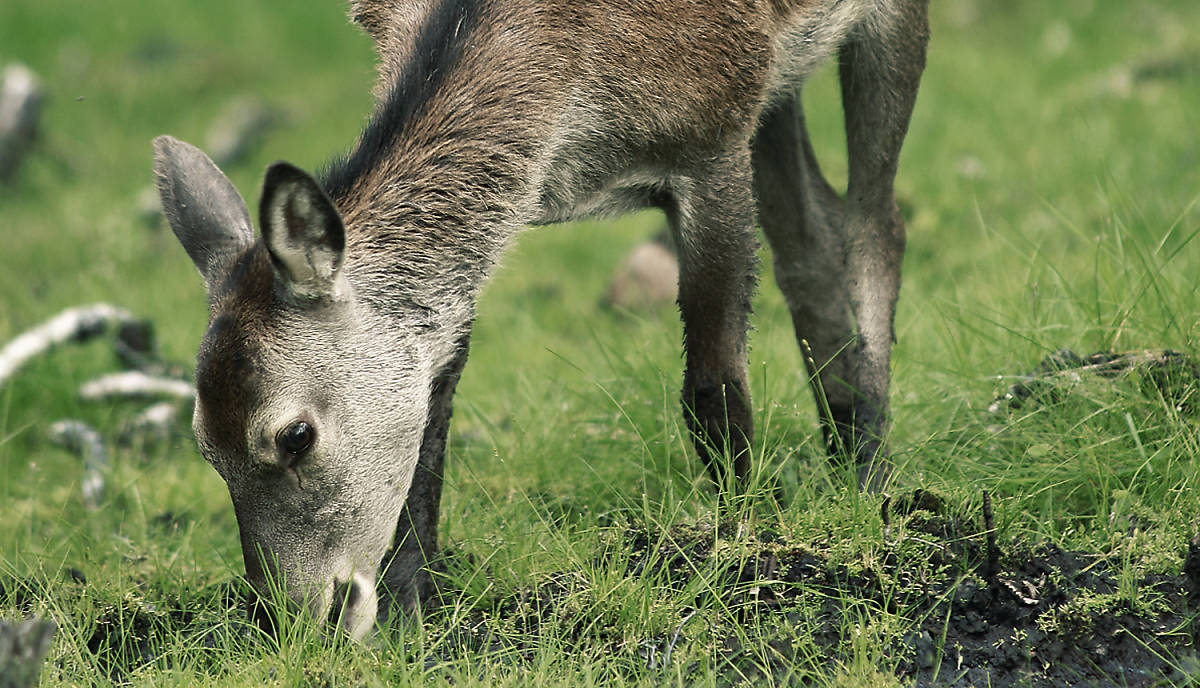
x: 406, y: 580
x: 712, y: 220
x: 880, y: 69
x: 802, y: 218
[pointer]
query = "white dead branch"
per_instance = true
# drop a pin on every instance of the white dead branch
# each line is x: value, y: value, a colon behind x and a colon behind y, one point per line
x: 73, y: 324
x: 135, y: 383
x: 154, y: 422
x: 21, y: 99
x: 85, y: 441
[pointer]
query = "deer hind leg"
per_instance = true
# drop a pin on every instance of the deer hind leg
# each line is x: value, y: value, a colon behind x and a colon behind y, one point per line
x: 880, y: 69
x: 407, y: 582
x: 802, y: 218
x: 712, y: 222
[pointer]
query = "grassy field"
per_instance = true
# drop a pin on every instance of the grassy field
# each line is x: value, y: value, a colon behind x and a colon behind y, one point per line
x: 1050, y: 179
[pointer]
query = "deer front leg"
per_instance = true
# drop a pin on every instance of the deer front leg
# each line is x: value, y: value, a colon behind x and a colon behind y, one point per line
x: 802, y: 217
x: 712, y: 218
x: 880, y: 69
x: 406, y: 581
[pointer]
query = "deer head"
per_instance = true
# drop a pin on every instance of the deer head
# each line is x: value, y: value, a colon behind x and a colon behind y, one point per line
x: 309, y: 404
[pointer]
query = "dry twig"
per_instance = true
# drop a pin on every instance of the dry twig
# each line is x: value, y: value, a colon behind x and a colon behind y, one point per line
x: 73, y: 324
x: 134, y: 383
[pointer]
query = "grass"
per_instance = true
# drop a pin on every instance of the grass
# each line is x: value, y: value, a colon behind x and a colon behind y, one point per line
x: 1050, y: 179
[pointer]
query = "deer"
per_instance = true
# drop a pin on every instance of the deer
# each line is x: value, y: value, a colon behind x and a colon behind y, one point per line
x: 337, y: 335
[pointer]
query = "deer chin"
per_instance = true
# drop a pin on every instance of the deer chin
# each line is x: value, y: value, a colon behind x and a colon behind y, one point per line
x: 343, y: 593
x: 350, y: 604
x: 347, y: 602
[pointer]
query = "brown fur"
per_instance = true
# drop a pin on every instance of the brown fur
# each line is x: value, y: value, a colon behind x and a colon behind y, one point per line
x: 353, y: 311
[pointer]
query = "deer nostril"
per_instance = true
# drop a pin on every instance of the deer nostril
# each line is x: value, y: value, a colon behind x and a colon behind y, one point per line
x: 345, y: 596
x: 260, y: 613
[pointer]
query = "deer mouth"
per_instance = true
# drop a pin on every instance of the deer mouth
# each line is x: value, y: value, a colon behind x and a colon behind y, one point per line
x: 353, y: 606
x: 347, y: 605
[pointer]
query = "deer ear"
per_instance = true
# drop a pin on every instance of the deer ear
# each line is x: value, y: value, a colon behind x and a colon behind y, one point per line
x: 204, y: 209
x: 303, y: 232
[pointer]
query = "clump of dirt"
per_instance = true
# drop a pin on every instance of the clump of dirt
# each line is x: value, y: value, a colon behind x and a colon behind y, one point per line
x: 1056, y: 617
x: 978, y: 615
x: 131, y: 634
x: 1166, y: 374
x: 950, y: 607
x: 125, y: 636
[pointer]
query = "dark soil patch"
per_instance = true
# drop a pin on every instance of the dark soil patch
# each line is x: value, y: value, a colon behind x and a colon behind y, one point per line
x: 970, y: 613
x: 1028, y: 615
x: 1162, y: 373
x: 129, y: 634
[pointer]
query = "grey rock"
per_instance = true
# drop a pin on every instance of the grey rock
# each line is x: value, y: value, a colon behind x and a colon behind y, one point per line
x: 648, y: 277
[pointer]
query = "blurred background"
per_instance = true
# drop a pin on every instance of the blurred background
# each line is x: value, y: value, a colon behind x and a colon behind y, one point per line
x: 1050, y: 180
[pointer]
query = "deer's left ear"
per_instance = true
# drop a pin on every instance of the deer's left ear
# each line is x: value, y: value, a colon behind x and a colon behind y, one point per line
x: 204, y: 209
x: 303, y: 232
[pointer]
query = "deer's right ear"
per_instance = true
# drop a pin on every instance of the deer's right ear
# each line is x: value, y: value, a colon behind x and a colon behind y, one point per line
x: 303, y: 232
x: 205, y: 210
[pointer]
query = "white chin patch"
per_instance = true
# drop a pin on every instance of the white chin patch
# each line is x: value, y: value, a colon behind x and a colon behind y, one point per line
x: 360, y: 606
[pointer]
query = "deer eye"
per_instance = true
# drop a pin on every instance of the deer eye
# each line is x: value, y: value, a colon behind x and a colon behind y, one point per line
x: 296, y: 438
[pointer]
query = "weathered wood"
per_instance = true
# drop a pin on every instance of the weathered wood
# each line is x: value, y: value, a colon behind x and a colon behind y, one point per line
x: 84, y: 440
x: 23, y: 648
x: 73, y: 324
x: 21, y: 98
x: 135, y: 384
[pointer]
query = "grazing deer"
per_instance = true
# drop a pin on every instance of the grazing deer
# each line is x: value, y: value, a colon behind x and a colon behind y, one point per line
x: 335, y: 341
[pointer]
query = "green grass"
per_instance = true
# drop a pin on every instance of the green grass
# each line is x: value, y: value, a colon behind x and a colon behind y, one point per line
x: 1051, y: 178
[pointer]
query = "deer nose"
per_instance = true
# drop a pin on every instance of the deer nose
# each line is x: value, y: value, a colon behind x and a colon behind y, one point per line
x: 353, y: 606
x: 345, y: 596
x: 349, y: 606
x: 261, y: 613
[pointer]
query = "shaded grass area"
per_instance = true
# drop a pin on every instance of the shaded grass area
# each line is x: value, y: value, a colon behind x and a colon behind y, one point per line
x: 796, y: 585
x: 732, y: 603
x: 1050, y: 182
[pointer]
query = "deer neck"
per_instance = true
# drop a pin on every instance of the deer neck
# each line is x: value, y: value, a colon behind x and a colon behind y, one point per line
x: 431, y: 197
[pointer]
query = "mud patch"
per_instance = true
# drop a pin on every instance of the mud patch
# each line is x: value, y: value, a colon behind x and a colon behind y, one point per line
x: 948, y: 611
x: 133, y: 633
x: 1159, y: 374
x: 942, y: 605
x: 124, y: 636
